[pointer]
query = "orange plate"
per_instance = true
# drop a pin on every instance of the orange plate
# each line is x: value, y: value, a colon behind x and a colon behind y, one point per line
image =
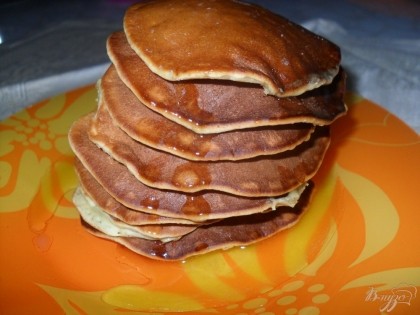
x: 356, y: 251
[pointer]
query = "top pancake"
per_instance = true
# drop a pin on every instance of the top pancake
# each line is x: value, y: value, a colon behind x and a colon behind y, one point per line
x: 214, y: 106
x: 230, y: 40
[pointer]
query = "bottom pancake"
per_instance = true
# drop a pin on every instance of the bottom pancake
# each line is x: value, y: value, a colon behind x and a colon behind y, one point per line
x: 230, y: 232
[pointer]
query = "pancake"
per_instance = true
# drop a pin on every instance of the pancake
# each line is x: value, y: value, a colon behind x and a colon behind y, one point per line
x: 238, y: 231
x: 154, y: 130
x: 111, y: 206
x: 126, y: 189
x: 213, y: 106
x: 102, y: 221
x: 229, y: 40
x: 211, y: 121
x: 261, y: 176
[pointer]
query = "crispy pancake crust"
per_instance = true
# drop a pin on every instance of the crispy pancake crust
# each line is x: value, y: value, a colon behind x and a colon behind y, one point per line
x: 212, y: 106
x: 154, y: 130
x: 230, y: 40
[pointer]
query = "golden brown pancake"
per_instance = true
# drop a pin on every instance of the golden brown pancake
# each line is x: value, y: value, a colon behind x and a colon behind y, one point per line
x: 212, y: 106
x: 210, y: 124
x: 154, y: 130
x: 220, y: 235
x: 229, y: 40
x: 104, y: 222
x: 103, y: 199
x: 126, y: 189
x: 272, y: 175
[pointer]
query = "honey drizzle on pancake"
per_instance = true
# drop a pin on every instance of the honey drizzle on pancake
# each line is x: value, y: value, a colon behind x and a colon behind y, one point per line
x: 159, y: 250
x: 200, y: 246
x: 195, y: 205
x: 151, y: 203
x: 187, y: 97
x: 190, y: 175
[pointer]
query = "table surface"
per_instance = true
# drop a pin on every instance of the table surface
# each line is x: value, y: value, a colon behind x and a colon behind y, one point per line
x: 52, y: 46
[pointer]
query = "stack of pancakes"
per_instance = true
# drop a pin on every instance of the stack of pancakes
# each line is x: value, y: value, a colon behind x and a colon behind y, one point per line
x: 211, y: 121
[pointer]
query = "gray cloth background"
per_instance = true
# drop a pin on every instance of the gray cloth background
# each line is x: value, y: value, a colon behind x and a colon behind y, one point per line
x: 380, y: 50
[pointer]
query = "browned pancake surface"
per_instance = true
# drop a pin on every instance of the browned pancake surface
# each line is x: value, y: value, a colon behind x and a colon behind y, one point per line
x: 209, y: 106
x: 125, y: 188
x: 261, y: 176
x: 223, y: 39
x: 106, y: 223
x: 111, y: 206
x: 224, y: 234
x: 156, y: 131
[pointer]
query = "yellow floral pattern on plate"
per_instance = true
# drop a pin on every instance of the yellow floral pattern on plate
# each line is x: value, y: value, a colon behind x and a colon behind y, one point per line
x: 354, y: 252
